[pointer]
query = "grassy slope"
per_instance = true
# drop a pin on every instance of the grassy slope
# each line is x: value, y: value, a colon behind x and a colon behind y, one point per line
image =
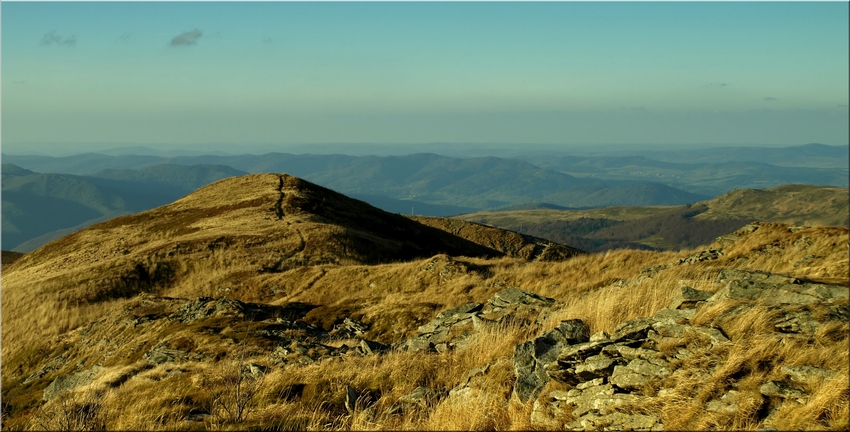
x: 793, y: 204
x: 217, y: 244
x: 394, y: 298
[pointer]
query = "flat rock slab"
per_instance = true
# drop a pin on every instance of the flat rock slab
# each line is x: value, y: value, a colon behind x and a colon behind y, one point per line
x: 686, y: 297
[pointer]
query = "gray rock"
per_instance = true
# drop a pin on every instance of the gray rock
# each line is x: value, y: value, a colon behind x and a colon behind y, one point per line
x: 530, y: 376
x: 773, y: 289
x: 574, y: 331
x: 807, y: 374
x: 712, y: 335
x: 686, y: 297
x: 64, y: 383
x: 531, y: 359
x: 781, y: 389
x: 785, y: 296
x: 617, y: 421
x: 827, y: 292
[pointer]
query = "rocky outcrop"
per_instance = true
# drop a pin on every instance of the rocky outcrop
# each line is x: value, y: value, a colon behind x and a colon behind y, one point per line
x: 451, y: 328
x: 161, y: 353
x: 531, y: 358
x: 611, y: 377
x: 706, y: 255
x: 775, y: 289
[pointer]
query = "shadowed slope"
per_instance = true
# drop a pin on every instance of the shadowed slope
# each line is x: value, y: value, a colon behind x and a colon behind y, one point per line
x: 508, y: 242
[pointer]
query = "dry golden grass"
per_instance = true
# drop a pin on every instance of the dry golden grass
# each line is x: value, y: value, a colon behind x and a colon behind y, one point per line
x: 74, y: 298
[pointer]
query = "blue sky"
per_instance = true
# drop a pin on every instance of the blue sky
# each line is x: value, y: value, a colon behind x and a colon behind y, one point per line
x: 562, y: 73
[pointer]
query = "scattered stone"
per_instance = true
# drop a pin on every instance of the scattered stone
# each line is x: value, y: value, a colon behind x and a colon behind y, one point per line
x: 349, y: 329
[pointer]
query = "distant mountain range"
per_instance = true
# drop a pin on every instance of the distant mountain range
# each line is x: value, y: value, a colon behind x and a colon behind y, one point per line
x: 713, y: 171
x: 47, y: 197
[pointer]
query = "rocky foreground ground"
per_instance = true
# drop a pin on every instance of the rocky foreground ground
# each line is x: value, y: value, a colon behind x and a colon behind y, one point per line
x: 575, y: 380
